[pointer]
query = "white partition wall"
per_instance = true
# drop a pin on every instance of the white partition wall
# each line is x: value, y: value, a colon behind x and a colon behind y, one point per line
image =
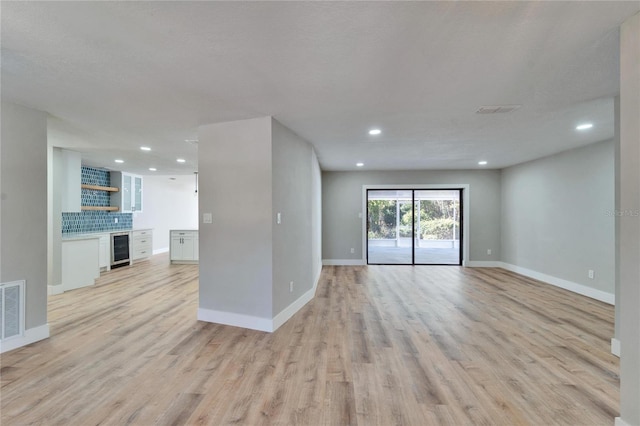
x: 259, y: 262
x: 23, y: 233
x: 629, y: 222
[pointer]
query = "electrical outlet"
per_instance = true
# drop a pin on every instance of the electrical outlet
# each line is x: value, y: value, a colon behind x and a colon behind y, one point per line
x: 115, y: 220
x: 591, y: 274
x: 353, y: 250
x: 489, y: 251
x: 291, y: 287
x: 279, y: 218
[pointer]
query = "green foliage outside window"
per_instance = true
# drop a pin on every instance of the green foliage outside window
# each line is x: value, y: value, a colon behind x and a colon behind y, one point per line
x: 438, y: 219
x: 382, y: 219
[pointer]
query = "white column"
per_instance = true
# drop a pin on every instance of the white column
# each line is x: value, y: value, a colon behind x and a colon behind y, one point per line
x: 629, y: 242
x: 615, y: 341
x: 238, y: 246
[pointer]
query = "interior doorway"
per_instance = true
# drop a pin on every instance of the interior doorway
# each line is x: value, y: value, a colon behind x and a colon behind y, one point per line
x: 414, y: 226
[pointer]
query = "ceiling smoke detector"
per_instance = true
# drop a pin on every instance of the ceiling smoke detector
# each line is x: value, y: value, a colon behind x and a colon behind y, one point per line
x: 497, y: 109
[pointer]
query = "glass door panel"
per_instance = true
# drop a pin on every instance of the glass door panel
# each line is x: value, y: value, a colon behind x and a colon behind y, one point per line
x: 137, y: 195
x: 437, y: 227
x: 389, y: 227
x: 414, y: 227
x: 126, y: 193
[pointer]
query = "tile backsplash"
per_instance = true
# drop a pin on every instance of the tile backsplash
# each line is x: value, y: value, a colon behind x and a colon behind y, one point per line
x: 95, y: 221
x: 91, y: 176
x: 92, y: 221
x: 90, y: 197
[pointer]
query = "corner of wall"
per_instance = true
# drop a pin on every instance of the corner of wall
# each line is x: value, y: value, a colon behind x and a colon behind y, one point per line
x: 294, y: 307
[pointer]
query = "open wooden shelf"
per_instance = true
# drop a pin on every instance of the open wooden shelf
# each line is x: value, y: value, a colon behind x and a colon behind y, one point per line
x: 102, y: 208
x: 99, y: 188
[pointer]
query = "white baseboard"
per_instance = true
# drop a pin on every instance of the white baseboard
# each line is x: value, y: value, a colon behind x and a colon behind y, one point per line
x: 31, y: 335
x: 584, y: 290
x: 161, y: 250
x: 620, y: 422
x: 236, y: 320
x: 298, y: 304
x: 52, y: 290
x: 343, y: 262
x: 615, y: 347
x: 257, y: 323
x: 482, y: 264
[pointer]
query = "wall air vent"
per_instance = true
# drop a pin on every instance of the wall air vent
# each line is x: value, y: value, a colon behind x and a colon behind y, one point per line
x: 11, y: 310
x: 497, y: 109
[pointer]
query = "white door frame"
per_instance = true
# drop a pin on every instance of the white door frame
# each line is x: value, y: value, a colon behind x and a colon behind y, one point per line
x: 465, y: 212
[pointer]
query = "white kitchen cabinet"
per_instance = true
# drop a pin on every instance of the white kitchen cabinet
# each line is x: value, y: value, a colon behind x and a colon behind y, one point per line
x: 184, y: 246
x: 80, y: 262
x: 137, y: 193
x: 129, y: 198
x: 105, y: 251
x: 141, y: 244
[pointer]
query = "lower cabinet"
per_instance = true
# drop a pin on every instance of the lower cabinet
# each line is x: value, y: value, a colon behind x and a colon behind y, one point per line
x: 79, y: 262
x: 142, y: 244
x: 105, y: 251
x: 184, y: 246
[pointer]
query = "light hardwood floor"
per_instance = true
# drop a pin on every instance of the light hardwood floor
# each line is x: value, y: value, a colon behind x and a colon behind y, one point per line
x: 379, y: 345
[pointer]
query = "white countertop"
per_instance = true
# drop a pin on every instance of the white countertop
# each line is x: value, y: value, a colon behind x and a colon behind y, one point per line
x: 86, y: 235
x: 72, y: 236
x: 79, y: 237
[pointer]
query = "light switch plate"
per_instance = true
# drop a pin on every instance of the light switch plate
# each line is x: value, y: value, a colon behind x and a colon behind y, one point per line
x: 207, y: 218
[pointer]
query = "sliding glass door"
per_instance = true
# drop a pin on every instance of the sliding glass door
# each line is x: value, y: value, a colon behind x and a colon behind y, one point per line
x: 437, y: 226
x: 390, y: 227
x: 414, y: 227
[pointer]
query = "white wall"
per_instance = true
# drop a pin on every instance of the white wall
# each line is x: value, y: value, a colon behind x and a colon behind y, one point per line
x: 316, y: 215
x: 558, y: 216
x: 294, y: 193
x: 630, y: 222
x: 23, y: 206
x: 615, y: 343
x: 250, y: 171
x: 342, y: 202
x: 234, y: 163
x: 169, y: 202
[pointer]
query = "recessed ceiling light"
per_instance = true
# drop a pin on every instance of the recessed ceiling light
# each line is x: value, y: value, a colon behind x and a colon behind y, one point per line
x: 119, y: 161
x: 374, y: 132
x: 584, y: 126
x: 152, y: 169
x: 145, y: 148
x: 359, y: 164
x: 482, y: 163
x: 181, y: 160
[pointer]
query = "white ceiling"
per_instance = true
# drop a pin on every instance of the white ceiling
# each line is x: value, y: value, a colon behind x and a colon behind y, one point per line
x: 118, y: 75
